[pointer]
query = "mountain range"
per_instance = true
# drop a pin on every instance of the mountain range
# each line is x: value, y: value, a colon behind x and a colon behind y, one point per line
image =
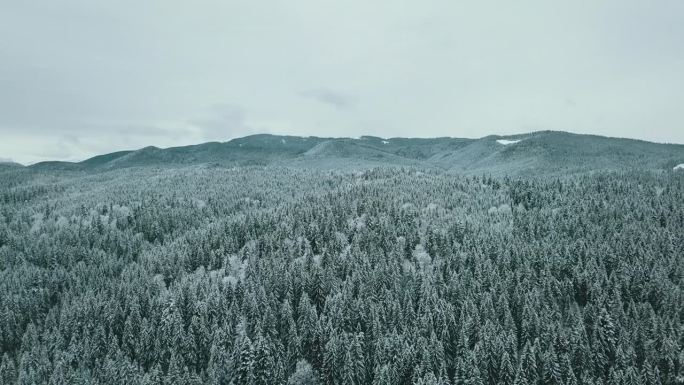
x: 538, y: 153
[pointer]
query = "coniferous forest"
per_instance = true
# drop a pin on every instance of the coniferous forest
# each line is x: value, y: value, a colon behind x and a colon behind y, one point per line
x: 258, y: 275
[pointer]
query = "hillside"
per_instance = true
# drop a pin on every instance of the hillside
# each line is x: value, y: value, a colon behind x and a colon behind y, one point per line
x: 270, y: 275
x: 415, y: 261
x: 537, y: 153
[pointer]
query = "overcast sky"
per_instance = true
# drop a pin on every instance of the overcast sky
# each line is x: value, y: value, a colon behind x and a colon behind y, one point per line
x: 84, y: 77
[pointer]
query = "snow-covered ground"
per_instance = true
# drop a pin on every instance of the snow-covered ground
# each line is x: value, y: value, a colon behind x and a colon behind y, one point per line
x: 385, y: 142
x: 679, y: 167
x: 506, y: 142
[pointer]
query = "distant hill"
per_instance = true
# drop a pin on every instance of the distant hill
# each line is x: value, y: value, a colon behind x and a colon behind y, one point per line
x: 8, y: 164
x: 538, y: 153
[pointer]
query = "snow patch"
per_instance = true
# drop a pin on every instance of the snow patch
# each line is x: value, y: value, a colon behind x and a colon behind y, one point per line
x: 506, y: 142
x: 357, y: 223
x: 408, y: 266
x: 61, y: 222
x: 159, y: 280
x: 341, y: 238
x: 421, y: 256
x: 282, y: 141
x: 37, y: 223
x: 385, y: 142
x: 236, y: 269
x: 217, y: 273
x: 408, y: 206
x: 679, y: 167
x: 502, y: 209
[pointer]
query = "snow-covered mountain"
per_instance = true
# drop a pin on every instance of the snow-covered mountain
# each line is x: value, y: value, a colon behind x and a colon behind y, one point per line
x: 544, y: 152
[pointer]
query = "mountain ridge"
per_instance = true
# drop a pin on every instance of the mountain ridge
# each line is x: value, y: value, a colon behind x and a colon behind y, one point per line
x: 541, y: 152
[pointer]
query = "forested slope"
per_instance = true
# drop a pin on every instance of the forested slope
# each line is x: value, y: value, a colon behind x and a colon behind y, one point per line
x: 544, y: 153
x: 268, y: 275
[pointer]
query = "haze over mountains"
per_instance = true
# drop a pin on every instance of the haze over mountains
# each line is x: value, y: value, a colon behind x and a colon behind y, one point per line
x: 544, y: 152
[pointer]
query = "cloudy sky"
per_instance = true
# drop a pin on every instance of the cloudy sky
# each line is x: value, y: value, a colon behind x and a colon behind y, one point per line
x: 83, y: 77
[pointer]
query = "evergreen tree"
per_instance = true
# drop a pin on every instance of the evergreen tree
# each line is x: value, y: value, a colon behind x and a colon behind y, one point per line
x: 8, y: 373
x: 303, y: 375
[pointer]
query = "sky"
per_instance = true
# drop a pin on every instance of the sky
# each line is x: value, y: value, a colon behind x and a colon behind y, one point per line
x: 80, y: 77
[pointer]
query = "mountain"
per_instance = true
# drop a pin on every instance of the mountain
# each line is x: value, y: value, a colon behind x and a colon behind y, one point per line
x: 537, y: 153
x: 8, y: 165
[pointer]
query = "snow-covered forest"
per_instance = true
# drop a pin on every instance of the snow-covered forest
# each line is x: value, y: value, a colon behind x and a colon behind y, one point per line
x: 259, y: 276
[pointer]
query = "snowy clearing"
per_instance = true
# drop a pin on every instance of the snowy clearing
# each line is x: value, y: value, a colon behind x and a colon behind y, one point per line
x: 385, y: 142
x: 679, y: 167
x: 506, y: 142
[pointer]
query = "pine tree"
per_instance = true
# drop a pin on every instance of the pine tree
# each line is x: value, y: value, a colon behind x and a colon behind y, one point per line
x: 263, y: 368
x: 245, y: 363
x: 8, y: 373
x: 220, y: 366
x: 303, y: 375
x: 174, y: 373
x: 506, y: 371
x: 650, y: 374
x: 154, y: 376
x: 383, y: 376
x: 521, y: 376
x: 552, y: 369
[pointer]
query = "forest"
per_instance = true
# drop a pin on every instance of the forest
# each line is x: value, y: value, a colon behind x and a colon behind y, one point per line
x: 254, y: 275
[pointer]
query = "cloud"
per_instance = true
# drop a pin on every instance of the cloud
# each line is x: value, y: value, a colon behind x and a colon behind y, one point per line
x: 80, y: 78
x: 330, y: 97
x: 80, y: 144
x: 6, y: 160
